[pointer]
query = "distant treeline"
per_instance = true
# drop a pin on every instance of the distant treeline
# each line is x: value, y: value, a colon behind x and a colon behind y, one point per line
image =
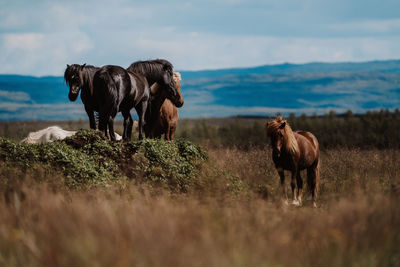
x: 375, y: 129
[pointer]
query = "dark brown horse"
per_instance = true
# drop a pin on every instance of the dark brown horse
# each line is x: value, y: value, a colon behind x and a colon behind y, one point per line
x: 294, y: 151
x: 117, y: 89
x: 167, y: 118
x: 80, y: 77
x: 158, y: 71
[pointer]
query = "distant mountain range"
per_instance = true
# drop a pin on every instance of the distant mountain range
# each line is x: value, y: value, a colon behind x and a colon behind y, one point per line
x: 265, y: 90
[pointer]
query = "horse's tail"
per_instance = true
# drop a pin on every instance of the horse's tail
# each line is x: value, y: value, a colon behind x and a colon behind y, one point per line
x: 107, y: 97
x: 313, y: 174
x: 317, y: 170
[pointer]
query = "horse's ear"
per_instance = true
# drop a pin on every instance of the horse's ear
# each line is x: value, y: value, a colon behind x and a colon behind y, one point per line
x: 282, y: 125
x: 83, y: 66
x: 68, y: 66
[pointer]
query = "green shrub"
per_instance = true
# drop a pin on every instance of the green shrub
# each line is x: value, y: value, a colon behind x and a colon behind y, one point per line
x: 79, y: 169
x: 88, y: 159
x: 172, y: 165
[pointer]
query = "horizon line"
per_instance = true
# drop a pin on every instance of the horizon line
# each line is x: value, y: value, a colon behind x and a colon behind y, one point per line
x: 238, y: 68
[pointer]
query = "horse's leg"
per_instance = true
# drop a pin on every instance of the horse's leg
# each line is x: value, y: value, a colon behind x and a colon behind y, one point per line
x: 168, y: 132
x: 293, y: 185
x: 313, y: 181
x: 107, y: 113
x: 299, y: 188
x: 113, y: 113
x: 92, y: 120
x: 125, y: 126
x: 141, y: 110
x: 128, y: 123
x: 103, y: 120
x: 111, y: 128
x: 282, y: 176
x: 172, y: 133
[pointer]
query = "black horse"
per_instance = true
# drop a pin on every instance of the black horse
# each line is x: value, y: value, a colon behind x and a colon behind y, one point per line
x: 116, y: 90
x: 159, y: 74
x: 80, y: 77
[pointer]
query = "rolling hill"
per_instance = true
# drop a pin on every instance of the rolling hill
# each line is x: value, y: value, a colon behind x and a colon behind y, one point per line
x: 264, y: 90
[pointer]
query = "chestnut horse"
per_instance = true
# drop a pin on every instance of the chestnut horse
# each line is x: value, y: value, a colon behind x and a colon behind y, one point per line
x: 167, y: 119
x: 294, y: 151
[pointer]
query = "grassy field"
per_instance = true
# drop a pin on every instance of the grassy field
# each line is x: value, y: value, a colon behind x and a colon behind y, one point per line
x: 224, y: 210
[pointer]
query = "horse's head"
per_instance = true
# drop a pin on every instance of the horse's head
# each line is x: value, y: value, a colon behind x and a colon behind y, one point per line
x: 73, y: 78
x: 172, y: 92
x: 276, y: 131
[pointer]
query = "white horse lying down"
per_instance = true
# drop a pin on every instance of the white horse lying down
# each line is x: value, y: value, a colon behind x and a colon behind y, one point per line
x: 51, y: 134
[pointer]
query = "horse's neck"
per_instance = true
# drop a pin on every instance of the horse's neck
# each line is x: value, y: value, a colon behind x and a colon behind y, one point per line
x: 88, y: 81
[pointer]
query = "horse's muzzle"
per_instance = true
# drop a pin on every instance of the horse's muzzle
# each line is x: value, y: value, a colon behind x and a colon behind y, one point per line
x: 179, y: 103
x: 72, y: 97
x: 277, y: 152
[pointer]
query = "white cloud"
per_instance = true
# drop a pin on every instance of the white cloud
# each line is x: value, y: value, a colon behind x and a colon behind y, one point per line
x: 41, y: 54
x: 209, y: 51
x: 40, y: 38
x: 14, y: 96
x: 23, y: 41
x: 375, y: 26
x: 48, y: 53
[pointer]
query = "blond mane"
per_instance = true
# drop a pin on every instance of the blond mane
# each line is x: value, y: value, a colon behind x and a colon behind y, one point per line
x: 289, y: 140
x: 177, y: 76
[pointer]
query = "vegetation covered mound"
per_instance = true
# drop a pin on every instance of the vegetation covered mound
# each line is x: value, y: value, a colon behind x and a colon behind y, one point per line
x: 88, y: 159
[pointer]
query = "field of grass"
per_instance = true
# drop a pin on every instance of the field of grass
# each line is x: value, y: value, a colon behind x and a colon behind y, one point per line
x: 134, y: 205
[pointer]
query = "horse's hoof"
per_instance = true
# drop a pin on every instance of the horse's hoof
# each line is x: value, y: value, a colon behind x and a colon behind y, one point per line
x: 314, y: 205
x: 285, y: 202
x: 296, y: 203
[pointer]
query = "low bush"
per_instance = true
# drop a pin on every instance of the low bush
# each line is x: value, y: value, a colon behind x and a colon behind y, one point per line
x: 88, y: 159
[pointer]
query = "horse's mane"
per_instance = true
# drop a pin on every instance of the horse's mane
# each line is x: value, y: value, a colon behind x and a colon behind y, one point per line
x: 152, y: 69
x: 75, y: 69
x: 177, y: 76
x: 85, y: 72
x: 290, y: 142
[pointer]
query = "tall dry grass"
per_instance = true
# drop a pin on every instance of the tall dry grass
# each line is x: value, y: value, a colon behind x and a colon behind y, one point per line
x: 344, y: 172
x: 136, y: 229
x: 356, y: 223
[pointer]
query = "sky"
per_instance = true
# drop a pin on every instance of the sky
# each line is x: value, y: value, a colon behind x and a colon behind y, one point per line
x: 40, y: 37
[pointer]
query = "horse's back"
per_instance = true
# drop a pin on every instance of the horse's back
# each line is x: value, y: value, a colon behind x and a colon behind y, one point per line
x: 310, y: 137
x: 139, y: 87
x: 309, y: 148
x: 112, y: 84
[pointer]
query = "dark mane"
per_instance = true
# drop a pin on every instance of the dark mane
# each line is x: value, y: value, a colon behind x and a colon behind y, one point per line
x: 85, y: 72
x: 152, y: 69
x: 75, y: 69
